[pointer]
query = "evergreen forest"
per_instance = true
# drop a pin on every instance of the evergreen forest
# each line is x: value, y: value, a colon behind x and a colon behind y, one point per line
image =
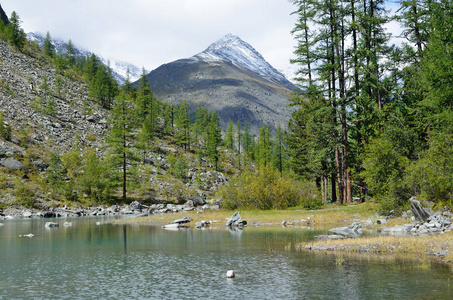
x: 373, y: 121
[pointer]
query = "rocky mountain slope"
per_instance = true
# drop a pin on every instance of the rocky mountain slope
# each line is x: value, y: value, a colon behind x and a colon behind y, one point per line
x: 25, y: 158
x: 230, y: 77
x: 21, y: 78
x: 119, y: 68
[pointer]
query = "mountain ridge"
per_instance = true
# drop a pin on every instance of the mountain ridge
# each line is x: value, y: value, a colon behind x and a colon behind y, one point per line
x: 234, y: 49
x: 222, y: 80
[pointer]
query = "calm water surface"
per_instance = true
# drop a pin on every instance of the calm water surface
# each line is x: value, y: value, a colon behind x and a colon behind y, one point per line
x: 86, y: 261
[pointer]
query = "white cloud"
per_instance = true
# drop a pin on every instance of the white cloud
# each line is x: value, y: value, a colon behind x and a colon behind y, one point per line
x: 152, y: 32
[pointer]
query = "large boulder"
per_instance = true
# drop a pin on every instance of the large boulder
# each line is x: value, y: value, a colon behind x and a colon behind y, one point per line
x: 12, y: 164
x: 135, y: 205
x: 419, y: 212
x: 235, y: 220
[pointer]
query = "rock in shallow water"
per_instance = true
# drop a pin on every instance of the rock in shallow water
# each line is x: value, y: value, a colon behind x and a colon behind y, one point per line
x: 235, y: 220
x: 183, y: 220
x: 51, y: 225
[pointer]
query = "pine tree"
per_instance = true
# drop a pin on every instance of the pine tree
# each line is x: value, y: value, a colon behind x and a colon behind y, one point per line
x: 70, y: 54
x: 183, y: 126
x: 278, y: 154
x: 48, y: 46
x: 121, y: 138
x: 247, y: 140
x: 214, y: 139
x: 239, y: 142
x: 15, y: 34
x: 229, y: 138
x: 264, y: 147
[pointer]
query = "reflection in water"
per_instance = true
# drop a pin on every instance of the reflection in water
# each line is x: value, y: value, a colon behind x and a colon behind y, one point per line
x: 120, y: 261
x: 235, y: 231
x: 125, y: 238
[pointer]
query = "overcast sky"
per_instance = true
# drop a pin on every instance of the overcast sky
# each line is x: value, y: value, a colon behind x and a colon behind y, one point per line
x: 149, y: 33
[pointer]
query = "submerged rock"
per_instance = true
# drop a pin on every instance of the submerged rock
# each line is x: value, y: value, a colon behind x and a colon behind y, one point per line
x: 51, y: 225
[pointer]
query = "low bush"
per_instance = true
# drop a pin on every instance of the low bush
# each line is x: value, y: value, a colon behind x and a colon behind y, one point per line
x: 266, y: 189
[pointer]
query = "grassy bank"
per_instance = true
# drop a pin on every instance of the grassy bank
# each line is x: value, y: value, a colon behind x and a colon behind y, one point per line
x: 330, y: 216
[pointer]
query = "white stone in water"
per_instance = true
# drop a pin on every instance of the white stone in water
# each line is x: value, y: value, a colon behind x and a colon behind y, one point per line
x: 67, y: 224
x: 230, y: 274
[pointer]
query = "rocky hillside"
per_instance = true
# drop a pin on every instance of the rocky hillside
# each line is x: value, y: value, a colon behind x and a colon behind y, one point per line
x: 25, y: 157
x: 231, y: 78
x: 21, y: 79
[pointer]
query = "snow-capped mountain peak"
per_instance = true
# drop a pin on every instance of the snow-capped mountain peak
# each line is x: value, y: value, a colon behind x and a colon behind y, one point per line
x: 234, y: 49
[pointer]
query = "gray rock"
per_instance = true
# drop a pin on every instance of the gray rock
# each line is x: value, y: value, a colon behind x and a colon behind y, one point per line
x: 51, y: 225
x: 183, y: 220
x: 419, y: 212
x: 12, y: 164
x: 48, y: 214
x: 135, y: 205
x: 235, y: 220
x: 230, y: 274
x: 198, y: 200
x: 400, y: 229
x: 40, y: 165
x: 127, y: 211
x: 369, y: 222
x: 202, y: 224
x: 353, y: 230
x: 27, y: 214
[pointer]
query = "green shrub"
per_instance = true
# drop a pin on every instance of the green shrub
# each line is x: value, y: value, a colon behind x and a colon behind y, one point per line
x: 25, y: 196
x: 5, y: 129
x: 266, y: 189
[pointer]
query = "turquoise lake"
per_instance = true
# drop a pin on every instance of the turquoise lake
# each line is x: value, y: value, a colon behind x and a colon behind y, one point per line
x: 108, y: 261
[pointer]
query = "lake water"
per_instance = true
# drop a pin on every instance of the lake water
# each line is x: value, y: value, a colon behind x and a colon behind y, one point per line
x: 86, y: 261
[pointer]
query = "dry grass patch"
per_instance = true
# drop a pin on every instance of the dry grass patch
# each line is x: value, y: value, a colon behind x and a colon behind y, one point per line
x: 436, y: 247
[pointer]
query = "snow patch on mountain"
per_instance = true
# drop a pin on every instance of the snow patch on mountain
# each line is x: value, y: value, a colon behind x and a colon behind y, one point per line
x: 119, y: 68
x: 233, y: 49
